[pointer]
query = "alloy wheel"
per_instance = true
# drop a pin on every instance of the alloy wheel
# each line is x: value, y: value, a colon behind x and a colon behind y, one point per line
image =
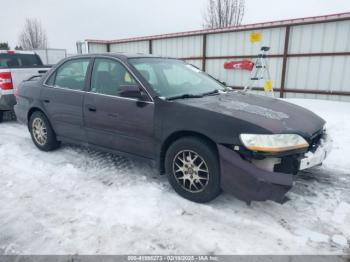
x: 191, y: 171
x: 39, y: 131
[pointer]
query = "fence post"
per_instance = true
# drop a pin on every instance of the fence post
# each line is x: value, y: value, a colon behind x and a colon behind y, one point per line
x: 285, y: 58
x: 47, y: 56
x: 204, y: 54
x: 150, y: 45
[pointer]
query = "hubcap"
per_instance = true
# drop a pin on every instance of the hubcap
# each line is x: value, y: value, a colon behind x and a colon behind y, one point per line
x: 39, y: 131
x: 191, y: 171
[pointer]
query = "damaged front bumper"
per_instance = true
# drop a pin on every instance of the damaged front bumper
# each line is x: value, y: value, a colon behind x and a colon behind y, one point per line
x: 316, y: 157
x: 249, y: 181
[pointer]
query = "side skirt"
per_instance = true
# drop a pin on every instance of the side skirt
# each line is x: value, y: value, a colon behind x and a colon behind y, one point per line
x: 107, y: 150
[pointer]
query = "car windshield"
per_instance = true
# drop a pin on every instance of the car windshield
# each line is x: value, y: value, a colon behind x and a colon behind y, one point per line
x: 171, y: 78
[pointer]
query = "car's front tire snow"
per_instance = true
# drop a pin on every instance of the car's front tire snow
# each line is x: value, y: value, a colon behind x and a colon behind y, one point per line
x: 42, y: 133
x: 193, y: 170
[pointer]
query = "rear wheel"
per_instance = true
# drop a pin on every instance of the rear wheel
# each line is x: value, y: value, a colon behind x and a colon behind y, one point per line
x: 42, y: 133
x: 193, y: 169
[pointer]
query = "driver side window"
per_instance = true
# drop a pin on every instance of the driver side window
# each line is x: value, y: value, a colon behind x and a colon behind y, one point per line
x: 109, y: 76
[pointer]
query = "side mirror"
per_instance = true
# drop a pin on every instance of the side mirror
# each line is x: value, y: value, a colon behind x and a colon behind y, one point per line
x: 132, y: 91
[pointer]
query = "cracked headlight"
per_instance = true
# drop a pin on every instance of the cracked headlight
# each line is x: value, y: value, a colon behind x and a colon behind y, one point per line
x: 273, y: 143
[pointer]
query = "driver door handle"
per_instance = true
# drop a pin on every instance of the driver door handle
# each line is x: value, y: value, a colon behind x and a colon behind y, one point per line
x: 91, y: 108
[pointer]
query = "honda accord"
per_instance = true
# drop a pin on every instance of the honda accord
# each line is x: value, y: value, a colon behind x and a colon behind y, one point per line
x: 206, y: 137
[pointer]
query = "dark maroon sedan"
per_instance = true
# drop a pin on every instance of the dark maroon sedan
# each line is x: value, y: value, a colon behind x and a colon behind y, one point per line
x: 203, y: 135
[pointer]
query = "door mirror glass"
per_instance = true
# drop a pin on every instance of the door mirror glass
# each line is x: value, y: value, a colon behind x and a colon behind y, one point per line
x: 131, y: 91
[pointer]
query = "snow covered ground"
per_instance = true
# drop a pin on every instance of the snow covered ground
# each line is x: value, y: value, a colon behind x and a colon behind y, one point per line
x: 77, y: 200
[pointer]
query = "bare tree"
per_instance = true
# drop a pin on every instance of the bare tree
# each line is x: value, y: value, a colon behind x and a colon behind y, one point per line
x: 223, y: 13
x: 4, y: 46
x: 33, y: 35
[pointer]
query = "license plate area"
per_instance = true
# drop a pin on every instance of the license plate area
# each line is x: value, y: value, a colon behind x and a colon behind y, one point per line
x: 316, y: 158
x: 312, y: 161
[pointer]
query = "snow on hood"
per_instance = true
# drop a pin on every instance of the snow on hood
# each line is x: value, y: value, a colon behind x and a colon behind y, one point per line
x: 270, y: 113
x: 254, y: 109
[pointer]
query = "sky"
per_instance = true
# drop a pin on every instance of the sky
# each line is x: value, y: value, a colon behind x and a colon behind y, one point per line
x: 67, y: 21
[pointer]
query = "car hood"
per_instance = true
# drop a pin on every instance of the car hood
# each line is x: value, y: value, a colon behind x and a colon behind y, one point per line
x: 272, y: 114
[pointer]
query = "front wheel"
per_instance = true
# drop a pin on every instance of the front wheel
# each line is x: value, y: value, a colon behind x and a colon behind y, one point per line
x: 193, y: 169
x: 42, y: 133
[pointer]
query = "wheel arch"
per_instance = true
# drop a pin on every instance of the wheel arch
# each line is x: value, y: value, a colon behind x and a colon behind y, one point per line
x: 176, y: 136
x: 35, y: 109
x: 32, y: 110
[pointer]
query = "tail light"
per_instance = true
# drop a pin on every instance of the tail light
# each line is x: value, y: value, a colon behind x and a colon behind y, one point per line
x: 6, y: 81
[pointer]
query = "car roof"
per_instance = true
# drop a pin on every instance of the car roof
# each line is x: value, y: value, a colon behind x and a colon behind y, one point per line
x: 121, y: 55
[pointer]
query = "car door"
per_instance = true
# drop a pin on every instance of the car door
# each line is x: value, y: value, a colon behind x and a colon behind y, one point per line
x: 112, y: 117
x: 62, y: 98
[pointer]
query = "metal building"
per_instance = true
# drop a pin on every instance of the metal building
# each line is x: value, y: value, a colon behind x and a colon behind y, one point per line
x: 51, y: 56
x: 309, y: 57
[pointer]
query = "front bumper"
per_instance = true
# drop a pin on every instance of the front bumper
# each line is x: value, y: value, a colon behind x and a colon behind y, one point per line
x: 315, y: 158
x: 250, y: 183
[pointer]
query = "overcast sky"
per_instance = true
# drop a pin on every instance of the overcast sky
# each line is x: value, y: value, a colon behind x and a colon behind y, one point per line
x: 67, y: 21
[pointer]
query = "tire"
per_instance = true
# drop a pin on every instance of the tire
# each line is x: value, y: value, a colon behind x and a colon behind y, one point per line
x: 198, y: 177
x: 47, y: 142
x: 13, y: 115
x: 1, y: 116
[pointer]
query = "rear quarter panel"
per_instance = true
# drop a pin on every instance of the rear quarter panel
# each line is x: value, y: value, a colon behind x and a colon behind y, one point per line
x: 28, y: 97
x: 21, y: 74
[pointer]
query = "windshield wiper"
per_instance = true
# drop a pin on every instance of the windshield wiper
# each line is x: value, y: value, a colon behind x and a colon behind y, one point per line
x: 214, y: 92
x: 183, y: 96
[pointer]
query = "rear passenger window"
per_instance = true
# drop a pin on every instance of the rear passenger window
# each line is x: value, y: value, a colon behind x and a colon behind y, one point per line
x: 72, y: 74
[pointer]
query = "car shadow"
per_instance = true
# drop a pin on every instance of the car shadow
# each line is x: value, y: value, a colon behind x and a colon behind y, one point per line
x: 113, y: 170
x: 110, y: 169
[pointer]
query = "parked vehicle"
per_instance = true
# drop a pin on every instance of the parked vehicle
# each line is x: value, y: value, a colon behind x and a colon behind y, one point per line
x: 204, y: 136
x: 16, y: 66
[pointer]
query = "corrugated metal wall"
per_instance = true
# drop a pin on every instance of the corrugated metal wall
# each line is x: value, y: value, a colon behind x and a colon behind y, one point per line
x: 132, y: 47
x: 308, y: 57
x: 97, y: 48
x: 179, y: 47
x: 51, y: 56
x: 323, y: 72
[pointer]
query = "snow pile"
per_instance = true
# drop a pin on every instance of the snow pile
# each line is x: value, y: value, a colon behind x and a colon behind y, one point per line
x: 77, y: 200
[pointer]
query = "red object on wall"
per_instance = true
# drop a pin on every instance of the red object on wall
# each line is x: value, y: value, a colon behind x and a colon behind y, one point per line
x: 243, y: 65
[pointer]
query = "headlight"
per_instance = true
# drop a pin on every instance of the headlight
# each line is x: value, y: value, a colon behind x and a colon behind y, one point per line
x: 273, y: 143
